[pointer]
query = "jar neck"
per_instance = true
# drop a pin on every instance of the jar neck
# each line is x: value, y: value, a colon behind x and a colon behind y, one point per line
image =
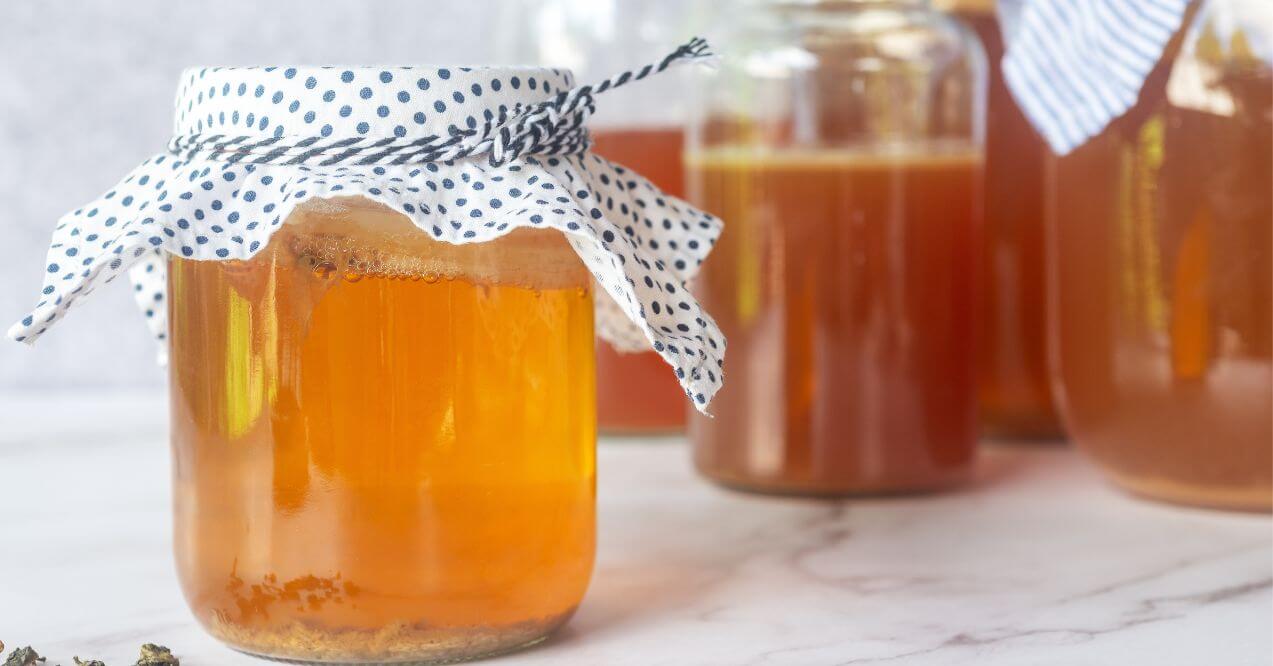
x: 834, y: 7
x: 834, y: 12
x: 852, y: 4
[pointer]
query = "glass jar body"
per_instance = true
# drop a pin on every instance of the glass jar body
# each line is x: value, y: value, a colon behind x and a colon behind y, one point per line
x: 841, y: 144
x: 383, y: 445
x: 1160, y: 248
x: 1015, y: 396
x: 641, y: 127
x: 637, y: 394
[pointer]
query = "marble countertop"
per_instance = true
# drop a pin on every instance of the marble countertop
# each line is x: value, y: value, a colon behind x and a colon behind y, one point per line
x: 1038, y: 562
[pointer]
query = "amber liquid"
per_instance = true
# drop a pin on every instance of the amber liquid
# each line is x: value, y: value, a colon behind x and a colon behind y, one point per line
x: 384, y: 446
x: 846, y: 286
x: 1163, y: 253
x: 637, y: 393
x: 1015, y: 395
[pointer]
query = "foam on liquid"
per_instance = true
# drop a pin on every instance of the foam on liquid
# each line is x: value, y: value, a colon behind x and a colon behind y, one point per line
x: 356, y: 238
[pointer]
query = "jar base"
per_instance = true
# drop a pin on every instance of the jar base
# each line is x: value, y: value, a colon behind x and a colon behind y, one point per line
x: 1024, y: 427
x: 668, y: 433
x: 817, y: 490
x: 1253, y: 500
x: 299, y: 643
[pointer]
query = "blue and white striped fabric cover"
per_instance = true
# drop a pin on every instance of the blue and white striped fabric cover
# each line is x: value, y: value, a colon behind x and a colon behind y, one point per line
x: 1075, y: 65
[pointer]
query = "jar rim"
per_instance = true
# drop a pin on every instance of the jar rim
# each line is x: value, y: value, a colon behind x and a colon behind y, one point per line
x: 833, y: 5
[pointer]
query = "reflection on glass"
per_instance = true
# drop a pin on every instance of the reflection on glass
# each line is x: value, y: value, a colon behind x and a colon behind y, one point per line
x: 1161, y: 232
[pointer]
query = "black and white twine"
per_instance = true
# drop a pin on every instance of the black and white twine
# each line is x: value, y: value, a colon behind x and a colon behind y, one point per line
x: 552, y: 127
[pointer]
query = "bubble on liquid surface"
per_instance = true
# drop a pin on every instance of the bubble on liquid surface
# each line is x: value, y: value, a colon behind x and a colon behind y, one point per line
x: 324, y: 269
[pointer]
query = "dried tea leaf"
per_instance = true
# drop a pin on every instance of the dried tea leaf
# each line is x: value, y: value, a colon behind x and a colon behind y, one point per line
x: 91, y: 662
x: 23, y: 657
x: 156, y: 655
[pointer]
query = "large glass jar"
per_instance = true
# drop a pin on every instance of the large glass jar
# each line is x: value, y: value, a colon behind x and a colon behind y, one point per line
x: 1161, y: 250
x: 1015, y: 391
x: 842, y: 145
x: 383, y: 444
x: 641, y: 127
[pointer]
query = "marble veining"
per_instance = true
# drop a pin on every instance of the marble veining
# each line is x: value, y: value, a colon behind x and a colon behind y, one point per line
x: 1039, y: 562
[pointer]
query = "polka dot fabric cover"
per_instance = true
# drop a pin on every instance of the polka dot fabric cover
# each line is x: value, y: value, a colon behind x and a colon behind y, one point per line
x: 641, y: 245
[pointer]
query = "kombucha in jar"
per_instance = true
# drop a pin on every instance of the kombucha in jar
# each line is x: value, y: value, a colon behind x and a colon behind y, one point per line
x: 847, y: 170
x: 383, y: 444
x: 844, y: 283
x: 1161, y: 247
x: 1015, y: 394
x: 635, y: 392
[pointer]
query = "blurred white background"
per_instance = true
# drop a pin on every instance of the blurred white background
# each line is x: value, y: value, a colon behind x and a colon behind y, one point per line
x: 86, y: 91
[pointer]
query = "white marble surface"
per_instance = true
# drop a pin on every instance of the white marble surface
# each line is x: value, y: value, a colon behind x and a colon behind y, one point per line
x: 1039, y: 563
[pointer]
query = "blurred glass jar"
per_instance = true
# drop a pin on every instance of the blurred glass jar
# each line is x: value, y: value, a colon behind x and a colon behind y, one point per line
x: 345, y: 492
x: 1160, y: 246
x: 841, y: 142
x: 641, y: 127
x: 1015, y: 391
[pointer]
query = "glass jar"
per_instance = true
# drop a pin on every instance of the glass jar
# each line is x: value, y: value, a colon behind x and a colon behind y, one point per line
x: 841, y: 142
x: 1015, y: 392
x: 348, y: 491
x: 380, y: 319
x: 1160, y: 245
x: 641, y: 127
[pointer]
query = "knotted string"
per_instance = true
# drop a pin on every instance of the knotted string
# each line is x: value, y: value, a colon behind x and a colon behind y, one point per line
x: 553, y: 127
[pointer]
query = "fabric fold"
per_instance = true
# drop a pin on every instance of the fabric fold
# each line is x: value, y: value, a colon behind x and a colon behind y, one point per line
x: 1076, y: 65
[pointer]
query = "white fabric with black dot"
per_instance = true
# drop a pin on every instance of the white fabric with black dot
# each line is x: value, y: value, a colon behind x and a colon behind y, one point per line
x: 207, y: 200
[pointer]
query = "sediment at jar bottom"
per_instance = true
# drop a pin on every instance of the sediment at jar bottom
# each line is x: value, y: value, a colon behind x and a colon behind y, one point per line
x: 372, y: 464
x: 393, y: 643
